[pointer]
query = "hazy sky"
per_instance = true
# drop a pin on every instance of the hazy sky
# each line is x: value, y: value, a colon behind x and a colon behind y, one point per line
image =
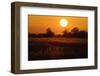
x: 39, y: 23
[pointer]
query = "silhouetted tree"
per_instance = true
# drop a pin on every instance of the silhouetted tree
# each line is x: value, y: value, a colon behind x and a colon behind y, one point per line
x: 65, y: 33
x: 49, y: 33
x: 75, y: 32
x: 32, y: 35
x: 41, y: 35
x: 83, y: 33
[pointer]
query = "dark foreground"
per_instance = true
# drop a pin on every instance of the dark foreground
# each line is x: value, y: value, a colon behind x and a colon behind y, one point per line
x: 57, y: 48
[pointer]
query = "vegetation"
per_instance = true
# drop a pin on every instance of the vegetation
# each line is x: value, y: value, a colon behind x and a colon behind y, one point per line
x: 68, y: 45
x: 75, y: 32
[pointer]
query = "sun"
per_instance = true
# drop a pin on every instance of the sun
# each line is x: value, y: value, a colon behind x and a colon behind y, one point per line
x: 63, y: 22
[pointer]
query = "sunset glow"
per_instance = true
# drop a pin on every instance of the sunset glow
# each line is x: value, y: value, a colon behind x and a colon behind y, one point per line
x: 57, y: 37
x: 63, y: 22
x: 39, y: 23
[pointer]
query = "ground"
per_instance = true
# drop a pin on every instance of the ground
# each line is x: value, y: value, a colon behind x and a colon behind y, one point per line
x: 57, y: 48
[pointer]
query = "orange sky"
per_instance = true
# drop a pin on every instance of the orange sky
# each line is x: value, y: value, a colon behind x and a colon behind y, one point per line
x: 39, y: 23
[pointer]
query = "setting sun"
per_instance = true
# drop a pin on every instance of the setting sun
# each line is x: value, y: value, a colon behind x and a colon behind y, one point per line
x: 39, y: 23
x: 63, y: 22
x: 57, y: 37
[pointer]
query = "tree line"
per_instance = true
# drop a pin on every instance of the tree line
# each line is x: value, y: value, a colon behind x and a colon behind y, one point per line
x: 75, y: 32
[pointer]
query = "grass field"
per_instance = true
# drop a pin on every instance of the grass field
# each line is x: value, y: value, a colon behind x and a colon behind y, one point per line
x: 57, y: 48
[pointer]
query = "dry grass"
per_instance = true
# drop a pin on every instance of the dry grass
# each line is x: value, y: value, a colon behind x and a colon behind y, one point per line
x: 57, y: 48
